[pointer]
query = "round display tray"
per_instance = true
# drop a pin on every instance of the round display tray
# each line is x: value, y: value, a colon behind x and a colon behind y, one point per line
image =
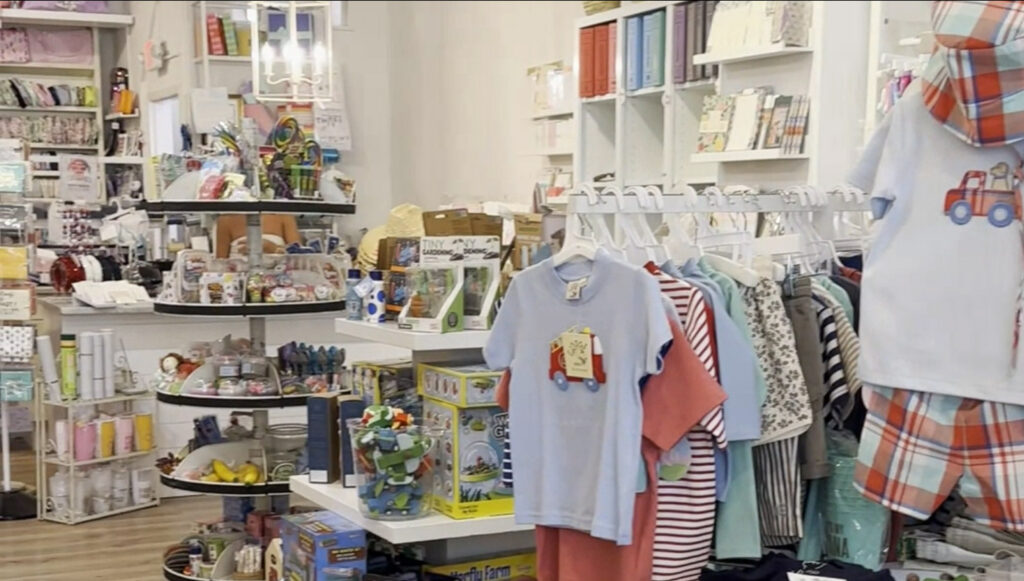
x: 247, y: 402
x: 224, y: 488
x: 259, y: 207
x: 248, y: 310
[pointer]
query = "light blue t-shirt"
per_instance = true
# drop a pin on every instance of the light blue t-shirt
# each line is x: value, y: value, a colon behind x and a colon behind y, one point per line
x: 577, y: 446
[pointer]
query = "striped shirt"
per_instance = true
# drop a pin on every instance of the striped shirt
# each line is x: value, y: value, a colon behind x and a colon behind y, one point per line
x: 837, y: 390
x: 686, y: 507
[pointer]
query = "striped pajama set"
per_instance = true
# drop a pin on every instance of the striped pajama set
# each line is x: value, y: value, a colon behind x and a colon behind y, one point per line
x: 686, y: 507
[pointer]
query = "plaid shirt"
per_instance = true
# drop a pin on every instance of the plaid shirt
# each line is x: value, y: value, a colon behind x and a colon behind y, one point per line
x: 974, y: 82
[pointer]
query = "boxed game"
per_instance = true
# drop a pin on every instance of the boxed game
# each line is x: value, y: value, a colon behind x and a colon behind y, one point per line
x: 435, y: 301
x: 314, y: 541
x: 388, y: 382
x: 522, y: 567
x: 482, y: 270
x: 402, y: 254
x: 467, y: 483
x: 463, y: 385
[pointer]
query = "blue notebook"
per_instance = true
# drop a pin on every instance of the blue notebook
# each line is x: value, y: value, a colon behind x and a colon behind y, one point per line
x: 634, y: 53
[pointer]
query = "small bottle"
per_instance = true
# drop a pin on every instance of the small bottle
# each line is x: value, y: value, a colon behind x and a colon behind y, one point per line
x: 373, y: 303
x: 195, y: 557
x: 353, y: 302
x: 68, y: 368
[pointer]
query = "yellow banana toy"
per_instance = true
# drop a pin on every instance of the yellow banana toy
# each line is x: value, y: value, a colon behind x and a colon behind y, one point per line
x: 223, y: 472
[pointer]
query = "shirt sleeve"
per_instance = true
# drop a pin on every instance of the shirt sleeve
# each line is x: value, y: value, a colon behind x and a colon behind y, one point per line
x: 500, y: 348
x: 659, y: 335
x: 680, y: 396
x: 863, y: 173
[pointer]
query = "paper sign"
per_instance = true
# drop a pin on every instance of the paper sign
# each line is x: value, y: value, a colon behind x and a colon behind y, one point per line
x: 331, y: 125
x: 576, y: 349
x: 364, y: 287
x: 15, y: 304
x: 79, y: 177
x: 574, y: 290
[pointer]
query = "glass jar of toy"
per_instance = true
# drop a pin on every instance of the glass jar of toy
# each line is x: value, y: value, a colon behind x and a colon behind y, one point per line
x: 394, y: 465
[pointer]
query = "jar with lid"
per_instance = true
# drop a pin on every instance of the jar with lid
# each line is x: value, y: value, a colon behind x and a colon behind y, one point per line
x: 227, y: 366
x: 253, y: 366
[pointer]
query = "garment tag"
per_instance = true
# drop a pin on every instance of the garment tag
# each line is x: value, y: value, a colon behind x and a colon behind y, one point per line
x: 807, y: 577
x: 577, y: 350
x: 364, y: 288
x: 574, y: 290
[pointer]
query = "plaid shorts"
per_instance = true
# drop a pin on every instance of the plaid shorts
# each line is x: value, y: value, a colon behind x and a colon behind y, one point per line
x: 916, y: 446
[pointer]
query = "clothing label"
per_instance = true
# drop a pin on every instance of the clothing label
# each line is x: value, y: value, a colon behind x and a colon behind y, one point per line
x: 364, y: 288
x: 808, y: 577
x: 574, y: 290
x: 579, y: 361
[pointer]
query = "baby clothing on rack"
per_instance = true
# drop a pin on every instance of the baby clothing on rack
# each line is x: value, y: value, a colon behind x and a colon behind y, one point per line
x: 616, y: 310
x: 801, y: 313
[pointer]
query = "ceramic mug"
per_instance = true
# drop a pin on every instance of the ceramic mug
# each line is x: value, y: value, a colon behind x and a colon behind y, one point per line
x: 85, y: 441
x: 59, y: 507
x: 100, y: 505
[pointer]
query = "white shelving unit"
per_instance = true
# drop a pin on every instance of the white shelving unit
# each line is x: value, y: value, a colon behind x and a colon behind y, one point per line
x: 22, y: 17
x: 434, y: 527
x: 649, y: 136
x: 455, y: 539
x: 217, y: 70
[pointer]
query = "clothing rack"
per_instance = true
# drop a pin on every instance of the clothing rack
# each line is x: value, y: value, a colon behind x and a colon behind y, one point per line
x: 585, y: 199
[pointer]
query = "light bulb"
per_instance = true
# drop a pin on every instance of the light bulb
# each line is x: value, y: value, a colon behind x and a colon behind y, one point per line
x: 319, y: 57
x: 267, y: 54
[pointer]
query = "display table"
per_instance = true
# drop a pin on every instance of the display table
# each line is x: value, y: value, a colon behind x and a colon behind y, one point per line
x: 446, y: 539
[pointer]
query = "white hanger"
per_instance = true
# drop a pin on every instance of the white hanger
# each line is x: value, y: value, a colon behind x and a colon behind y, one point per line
x: 575, y: 244
x: 679, y: 245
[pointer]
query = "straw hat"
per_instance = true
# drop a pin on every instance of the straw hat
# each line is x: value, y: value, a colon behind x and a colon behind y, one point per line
x: 405, y: 221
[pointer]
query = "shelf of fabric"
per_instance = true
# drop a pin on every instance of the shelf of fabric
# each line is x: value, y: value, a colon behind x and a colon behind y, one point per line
x: 65, y: 146
x: 248, y: 310
x: 19, y: 16
x: 390, y: 334
x: 345, y: 502
x: 47, y: 69
x: 225, y: 488
x: 51, y: 459
x: 750, y: 54
x: 54, y: 109
x: 311, y: 208
x: 244, y: 402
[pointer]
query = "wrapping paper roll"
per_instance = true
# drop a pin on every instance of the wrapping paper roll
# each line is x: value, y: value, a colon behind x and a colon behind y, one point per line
x: 45, y: 349
x: 86, y: 358
x: 108, y: 362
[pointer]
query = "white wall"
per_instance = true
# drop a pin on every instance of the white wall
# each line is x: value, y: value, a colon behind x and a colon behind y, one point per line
x: 461, y: 97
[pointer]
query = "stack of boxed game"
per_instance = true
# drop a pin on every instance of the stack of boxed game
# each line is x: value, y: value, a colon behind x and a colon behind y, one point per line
x: 461, y: 399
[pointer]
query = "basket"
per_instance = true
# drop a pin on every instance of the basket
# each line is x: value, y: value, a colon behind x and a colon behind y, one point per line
x: 591, y: 7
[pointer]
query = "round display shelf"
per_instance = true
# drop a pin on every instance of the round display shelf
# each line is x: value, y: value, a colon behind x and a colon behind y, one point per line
x: 248, y: 310
x: 243, y: 402
x: 225, y: 488
x: 310, y: 207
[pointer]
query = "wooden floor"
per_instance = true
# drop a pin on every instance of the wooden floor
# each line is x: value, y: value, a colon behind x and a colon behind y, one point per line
x: 126, y: 547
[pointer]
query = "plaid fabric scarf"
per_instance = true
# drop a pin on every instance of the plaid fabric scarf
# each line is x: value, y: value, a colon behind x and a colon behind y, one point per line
x: 974, y: 82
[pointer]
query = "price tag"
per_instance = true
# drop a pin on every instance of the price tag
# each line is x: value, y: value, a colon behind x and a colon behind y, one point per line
x: 577, y: 350
x: 15, y: 304
x: 364, y: 288
x: 574, y: 290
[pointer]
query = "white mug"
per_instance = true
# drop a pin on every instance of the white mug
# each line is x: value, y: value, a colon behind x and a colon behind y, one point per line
x: 100, y: 505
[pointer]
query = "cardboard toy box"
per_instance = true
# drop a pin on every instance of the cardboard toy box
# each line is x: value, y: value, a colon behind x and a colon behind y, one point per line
x: 464, y: 385
x: 521, y: 567
x: 467, y: 483
x: 388, y: 382
x: 434, y: 301
x: 482, y: 280
x: 313, y: 541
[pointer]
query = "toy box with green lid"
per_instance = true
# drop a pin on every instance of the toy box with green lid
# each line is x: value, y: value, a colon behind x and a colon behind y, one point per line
x: 317, y: 541
x: 462, y: 385
x: 435, y: 287
x: 468, y: 482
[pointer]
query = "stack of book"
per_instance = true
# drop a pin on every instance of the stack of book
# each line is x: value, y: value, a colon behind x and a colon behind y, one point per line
x: 597, y: 60
x: 753, y: 119
x: 691, y: 23
x: 225, y: 37
x: 739, y: 26
x: 645, y: 50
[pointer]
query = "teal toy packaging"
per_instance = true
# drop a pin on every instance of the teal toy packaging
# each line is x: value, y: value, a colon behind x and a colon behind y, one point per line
x: 315, y: 541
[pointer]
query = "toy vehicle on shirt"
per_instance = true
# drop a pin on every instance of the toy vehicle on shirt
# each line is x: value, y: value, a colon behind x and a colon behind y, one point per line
x: 556, y: 368
x: 972, y: 198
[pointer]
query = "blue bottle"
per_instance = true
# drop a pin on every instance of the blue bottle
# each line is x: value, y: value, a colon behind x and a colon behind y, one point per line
x: 353, y: 302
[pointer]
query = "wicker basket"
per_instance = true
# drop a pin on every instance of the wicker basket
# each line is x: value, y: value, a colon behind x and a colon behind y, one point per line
x: 591, y: 7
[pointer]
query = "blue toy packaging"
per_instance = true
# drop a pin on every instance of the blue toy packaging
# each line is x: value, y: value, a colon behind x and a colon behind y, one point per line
x: 314, y: 541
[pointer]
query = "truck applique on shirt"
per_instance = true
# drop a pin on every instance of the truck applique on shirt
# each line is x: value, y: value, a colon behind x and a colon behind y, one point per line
x: 999, y: 200
x: 558, y: 374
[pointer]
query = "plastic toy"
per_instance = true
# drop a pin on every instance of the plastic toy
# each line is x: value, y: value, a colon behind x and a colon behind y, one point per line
x: 392, y: 455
